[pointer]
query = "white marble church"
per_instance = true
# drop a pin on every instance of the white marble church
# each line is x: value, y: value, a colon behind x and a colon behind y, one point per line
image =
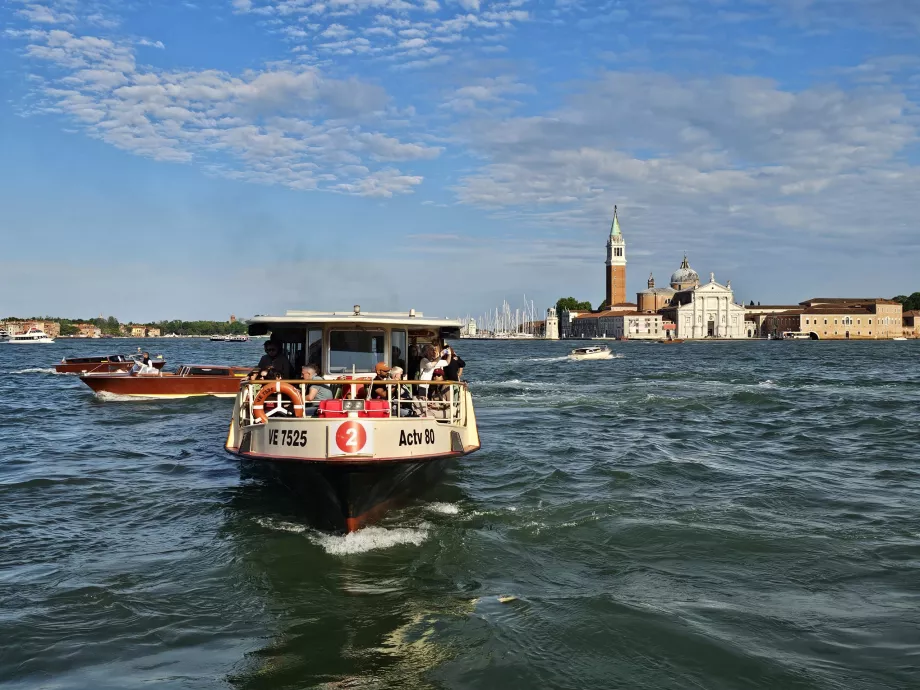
x: 704, y: 311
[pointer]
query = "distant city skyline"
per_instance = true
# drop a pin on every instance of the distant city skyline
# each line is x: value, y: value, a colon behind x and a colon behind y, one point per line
x: 188, y: 160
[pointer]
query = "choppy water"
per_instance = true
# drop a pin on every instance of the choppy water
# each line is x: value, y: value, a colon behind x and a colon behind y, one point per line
x: 700, y: 515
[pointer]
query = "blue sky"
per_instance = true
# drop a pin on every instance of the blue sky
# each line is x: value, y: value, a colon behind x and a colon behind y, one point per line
x: 193, y: 159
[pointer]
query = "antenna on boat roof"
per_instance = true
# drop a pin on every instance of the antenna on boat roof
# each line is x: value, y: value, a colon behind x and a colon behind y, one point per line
x: 357, y: 309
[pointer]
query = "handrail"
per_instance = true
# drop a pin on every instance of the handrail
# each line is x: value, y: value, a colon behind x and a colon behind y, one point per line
x: 453, y: 409
x: 345, y: 382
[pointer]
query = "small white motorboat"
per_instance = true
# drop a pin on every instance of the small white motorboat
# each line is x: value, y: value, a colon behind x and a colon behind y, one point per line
x: 899, y: 338
x: 593, y: 352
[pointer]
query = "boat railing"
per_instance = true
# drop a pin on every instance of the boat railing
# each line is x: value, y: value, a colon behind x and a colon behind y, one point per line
x: 403, y: 398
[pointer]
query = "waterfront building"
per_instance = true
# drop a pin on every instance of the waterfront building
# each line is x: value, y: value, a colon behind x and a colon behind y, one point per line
x: 138, y: 331
x: 705, y: 311
x: 910, y: 321
x: 841, y: 318
x: 621, y: 324
x: 153, y: 332
x: 616, y: 265
x: 757, y: 317
x: 88, y: 330
x: 551, y: 330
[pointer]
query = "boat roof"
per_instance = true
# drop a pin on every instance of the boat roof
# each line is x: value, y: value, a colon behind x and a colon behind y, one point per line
x: 259, y: 324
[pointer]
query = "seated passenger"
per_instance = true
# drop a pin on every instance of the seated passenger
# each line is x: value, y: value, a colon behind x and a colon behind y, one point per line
x: 382, y: 374
x: 400, y: 396
x: 315, y: 393
x: 438, y: 396
x: 275, y: 359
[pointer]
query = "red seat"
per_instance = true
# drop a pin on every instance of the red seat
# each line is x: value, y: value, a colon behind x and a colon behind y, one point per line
x: 376, y: 408
x: 331, y: 408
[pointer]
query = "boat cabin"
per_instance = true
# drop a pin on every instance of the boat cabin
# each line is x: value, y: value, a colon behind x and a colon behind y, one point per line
x: 211, y: 370
x: 354, y: 342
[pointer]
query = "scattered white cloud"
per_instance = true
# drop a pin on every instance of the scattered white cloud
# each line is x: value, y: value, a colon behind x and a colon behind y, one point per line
x: 292, y: 126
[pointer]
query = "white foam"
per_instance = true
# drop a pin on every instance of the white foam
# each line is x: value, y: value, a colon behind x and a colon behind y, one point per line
x: 37, y: 370
x: 767, y: 384
x: 368, y: 539
x: 444, y: 508
x: 281, y: 525
x: 115, y: 397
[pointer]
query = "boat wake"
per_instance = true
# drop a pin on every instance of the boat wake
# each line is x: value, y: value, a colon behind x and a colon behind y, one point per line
x: 362, y: 541
x: 368, y: 539
x: 115, y: 397
x: 444, y: 508
x: 37, y: 370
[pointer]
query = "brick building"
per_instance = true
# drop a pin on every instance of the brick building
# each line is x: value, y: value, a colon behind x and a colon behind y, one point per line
x: 838, y: 318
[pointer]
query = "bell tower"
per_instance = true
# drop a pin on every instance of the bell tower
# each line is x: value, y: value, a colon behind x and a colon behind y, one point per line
x: 616, y: 264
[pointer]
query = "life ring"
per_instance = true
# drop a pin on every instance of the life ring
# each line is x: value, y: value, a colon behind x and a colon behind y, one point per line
x: 276, y: 388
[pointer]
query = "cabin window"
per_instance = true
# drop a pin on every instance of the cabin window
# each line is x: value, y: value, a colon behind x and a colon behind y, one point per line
x: 355, y: 350
x: 399, y: 347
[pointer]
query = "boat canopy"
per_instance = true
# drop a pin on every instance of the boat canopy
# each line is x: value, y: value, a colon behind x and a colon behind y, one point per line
x: 354, y: 341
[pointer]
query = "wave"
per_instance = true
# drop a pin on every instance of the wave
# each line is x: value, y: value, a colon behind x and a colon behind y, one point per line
x: 368, y: 539
x: 362, y: 541
x: 38, y: 370
x: 443, y: 508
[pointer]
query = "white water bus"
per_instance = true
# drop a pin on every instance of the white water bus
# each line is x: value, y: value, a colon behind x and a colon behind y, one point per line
x: 358, y: 453
x: 34, y: 335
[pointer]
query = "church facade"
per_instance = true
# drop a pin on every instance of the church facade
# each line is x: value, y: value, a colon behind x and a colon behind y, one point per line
x: 707, y: 311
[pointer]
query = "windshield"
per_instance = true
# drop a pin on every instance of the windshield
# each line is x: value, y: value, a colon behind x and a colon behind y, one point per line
x: 359, y: 349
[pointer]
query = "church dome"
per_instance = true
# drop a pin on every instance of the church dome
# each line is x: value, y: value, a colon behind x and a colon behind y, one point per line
x: 684, y: 276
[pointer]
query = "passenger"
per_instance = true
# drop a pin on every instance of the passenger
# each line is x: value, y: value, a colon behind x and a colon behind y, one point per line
x: 415, y: 357
x: 144, y: 366
x: 401, y: 396
x: 275, y: 359
x: 382, y: 374
x: 454, y: 370
x: 438, y: 396
x: 429, y: 363
x: 315, y: 393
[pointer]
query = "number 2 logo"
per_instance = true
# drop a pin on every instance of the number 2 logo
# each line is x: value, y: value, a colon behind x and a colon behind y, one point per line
x: 350, y: 437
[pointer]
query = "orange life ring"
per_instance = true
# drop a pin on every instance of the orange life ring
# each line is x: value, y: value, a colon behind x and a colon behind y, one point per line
x: 276, y: 388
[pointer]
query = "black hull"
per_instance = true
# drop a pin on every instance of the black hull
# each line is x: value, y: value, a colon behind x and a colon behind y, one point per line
x: 340, y: 496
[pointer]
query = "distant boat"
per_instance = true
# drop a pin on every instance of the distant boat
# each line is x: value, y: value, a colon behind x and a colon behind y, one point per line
x: 34, y: 335
x: 594, y: 352
x: 671, y: 341
x: 230, y: 338
x: 899, y: 338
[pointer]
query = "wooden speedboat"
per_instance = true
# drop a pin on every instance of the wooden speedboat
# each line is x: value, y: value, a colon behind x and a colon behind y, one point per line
x: 351, y: 458
x: 103, y: 363
x: 594, y: 352
x: 187, y: 381
x: 671, y: 341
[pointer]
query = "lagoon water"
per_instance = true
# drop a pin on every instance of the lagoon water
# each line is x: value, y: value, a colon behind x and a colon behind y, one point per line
x: 716, y: 515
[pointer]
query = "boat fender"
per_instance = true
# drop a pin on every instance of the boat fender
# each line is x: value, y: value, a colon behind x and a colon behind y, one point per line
x: 276, y: 388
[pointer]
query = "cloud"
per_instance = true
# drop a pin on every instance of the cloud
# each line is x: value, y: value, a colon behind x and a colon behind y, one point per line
x: 41, y: 14
x: 290, y: 126
x: 151, y: 44
x: 723, y: 148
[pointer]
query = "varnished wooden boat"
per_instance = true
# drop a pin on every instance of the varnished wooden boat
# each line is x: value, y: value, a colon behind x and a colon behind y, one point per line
x: 188, y: 380
x: 671, y: 341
